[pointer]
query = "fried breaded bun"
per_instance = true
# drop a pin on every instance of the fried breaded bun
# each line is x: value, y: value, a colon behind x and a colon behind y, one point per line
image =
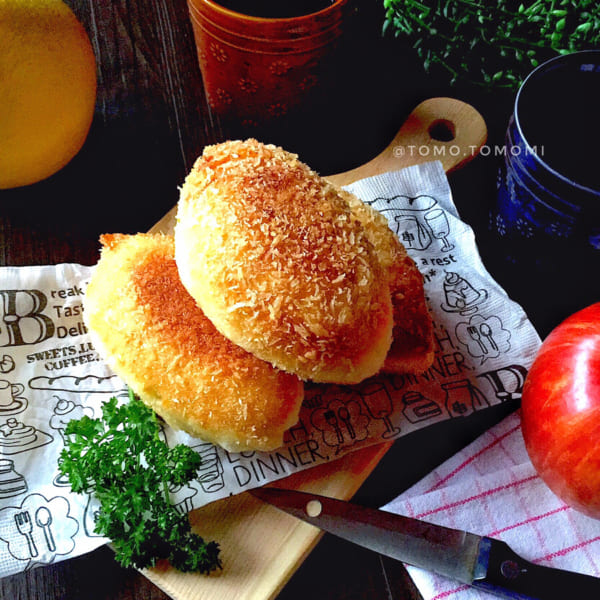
x: 151, y: 332
x: 412, y: 348
x: 274, y: 257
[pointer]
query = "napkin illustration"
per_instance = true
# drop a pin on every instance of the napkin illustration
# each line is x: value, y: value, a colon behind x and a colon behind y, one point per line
x: 52, y: 373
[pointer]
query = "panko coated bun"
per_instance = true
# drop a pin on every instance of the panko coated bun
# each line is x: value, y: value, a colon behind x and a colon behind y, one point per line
x: 277, y: 261
x: 153, y: 335
x: 412, y: 348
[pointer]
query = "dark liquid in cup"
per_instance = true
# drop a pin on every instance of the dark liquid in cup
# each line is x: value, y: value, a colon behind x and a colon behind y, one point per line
x: 275, y: 9
x: 560, y: 116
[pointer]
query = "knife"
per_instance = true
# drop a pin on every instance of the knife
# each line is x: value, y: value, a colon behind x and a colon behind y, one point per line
x: 484, y: 563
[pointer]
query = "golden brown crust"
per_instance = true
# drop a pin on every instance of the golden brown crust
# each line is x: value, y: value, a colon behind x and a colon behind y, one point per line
x: 151, y: 332
x: 275, y: 258
x: 412, y: 349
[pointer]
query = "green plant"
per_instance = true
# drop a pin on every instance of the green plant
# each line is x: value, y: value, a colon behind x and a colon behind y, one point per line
x: 122, y: 460
x: 495, y: 44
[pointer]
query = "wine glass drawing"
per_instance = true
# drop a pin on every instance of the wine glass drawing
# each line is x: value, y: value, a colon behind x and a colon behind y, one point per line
x: 440, y: 228
x: 380, y: 406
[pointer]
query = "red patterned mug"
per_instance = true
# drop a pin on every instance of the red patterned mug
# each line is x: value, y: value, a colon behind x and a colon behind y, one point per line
x: 258, y: 70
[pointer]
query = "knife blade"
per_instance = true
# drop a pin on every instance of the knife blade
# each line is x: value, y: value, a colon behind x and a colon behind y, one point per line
x: 479, y: 561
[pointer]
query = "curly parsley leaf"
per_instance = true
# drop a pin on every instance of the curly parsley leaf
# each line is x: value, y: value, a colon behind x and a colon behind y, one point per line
x: 121, y: 459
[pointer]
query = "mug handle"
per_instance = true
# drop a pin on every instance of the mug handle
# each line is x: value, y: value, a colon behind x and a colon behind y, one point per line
x: 17, y: 389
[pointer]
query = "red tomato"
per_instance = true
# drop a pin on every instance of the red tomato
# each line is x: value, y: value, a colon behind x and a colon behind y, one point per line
x: 561, y: 411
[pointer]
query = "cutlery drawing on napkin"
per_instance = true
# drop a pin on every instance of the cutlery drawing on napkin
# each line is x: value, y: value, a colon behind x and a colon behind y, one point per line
x: 41, y: 528
x: 25, y: 528
x: 43, y: 520
x: 481, y: 333
x: 476, y: 336
x: 339, y: 422
x: 484, y: 337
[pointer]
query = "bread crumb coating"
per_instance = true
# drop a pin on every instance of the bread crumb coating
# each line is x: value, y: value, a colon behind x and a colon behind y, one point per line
x: 413, y: 348
x: 152, y: 333
x: 275, y: 257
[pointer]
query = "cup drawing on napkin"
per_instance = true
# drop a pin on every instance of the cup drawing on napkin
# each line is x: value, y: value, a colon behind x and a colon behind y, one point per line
x: 12, y: 401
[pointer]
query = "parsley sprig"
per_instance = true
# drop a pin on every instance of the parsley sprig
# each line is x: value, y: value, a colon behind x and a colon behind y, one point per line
x: 492, y: 44
x: 121, y: 459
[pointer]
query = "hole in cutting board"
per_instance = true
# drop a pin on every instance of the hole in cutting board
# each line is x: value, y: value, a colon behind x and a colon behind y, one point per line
x: 442, y: 130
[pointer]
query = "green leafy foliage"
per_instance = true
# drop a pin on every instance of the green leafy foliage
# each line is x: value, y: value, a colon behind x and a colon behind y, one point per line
x: 121, y: 459
x: 493, y: 44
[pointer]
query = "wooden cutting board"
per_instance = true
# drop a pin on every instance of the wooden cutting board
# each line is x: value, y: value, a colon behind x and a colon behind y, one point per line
x: 441, y: 129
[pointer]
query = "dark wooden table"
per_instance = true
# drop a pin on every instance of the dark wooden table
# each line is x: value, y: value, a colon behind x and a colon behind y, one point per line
x: 151, y: 122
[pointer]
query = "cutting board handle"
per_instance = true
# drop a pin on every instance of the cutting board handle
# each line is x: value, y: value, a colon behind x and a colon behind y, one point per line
x: 443, y: 129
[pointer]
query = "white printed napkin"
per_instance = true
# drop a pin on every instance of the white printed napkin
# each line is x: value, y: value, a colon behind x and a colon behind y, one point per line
x: 491, y: 488
x: 50, y: 373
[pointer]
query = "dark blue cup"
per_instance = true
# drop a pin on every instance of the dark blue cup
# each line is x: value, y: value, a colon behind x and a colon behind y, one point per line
x: 548, y: 205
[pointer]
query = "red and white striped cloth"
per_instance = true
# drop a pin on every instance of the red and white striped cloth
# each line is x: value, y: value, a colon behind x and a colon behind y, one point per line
x: 491, y: 488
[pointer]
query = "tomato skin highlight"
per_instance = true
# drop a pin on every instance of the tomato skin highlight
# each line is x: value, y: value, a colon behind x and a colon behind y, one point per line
x: 561, y: 411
